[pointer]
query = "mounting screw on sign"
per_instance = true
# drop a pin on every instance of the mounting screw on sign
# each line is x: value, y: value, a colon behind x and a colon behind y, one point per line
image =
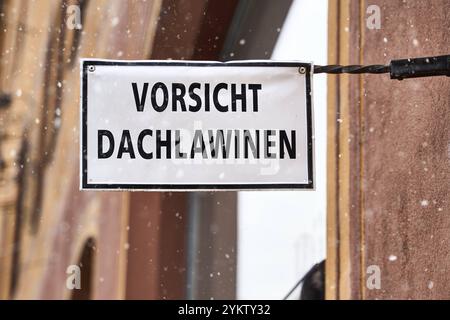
x: 91, y: 68
x: 302, y: 70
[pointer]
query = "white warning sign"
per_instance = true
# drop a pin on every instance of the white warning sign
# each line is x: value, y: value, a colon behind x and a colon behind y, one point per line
x: 178, y: 125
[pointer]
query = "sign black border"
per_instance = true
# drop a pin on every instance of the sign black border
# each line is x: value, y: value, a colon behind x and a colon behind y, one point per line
x: 194, y: 187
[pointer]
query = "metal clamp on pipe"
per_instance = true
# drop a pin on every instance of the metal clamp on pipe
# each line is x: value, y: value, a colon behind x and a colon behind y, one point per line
x: 420, y: 67
x: 398, y: 69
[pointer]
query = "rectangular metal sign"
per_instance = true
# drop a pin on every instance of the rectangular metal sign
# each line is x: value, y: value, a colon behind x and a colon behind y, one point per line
x: 178, y: 125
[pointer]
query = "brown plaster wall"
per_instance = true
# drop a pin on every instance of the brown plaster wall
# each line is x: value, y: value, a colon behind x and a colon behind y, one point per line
x: 406, y: 155
x: 45, y: 221
x: 388, y: 155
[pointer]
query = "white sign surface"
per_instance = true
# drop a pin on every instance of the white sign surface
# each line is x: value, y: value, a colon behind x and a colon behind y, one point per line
x: 177, y: 125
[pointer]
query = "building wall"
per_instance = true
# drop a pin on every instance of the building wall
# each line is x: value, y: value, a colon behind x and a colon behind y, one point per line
x: 46, y: 220
x: 129, y: 245
x: 176, y: 244
x: 388, y: 155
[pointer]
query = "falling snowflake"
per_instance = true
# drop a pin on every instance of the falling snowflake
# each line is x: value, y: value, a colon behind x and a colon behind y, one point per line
x: 115, y: 21
x: 424, y: 203
x: 392, y: 257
